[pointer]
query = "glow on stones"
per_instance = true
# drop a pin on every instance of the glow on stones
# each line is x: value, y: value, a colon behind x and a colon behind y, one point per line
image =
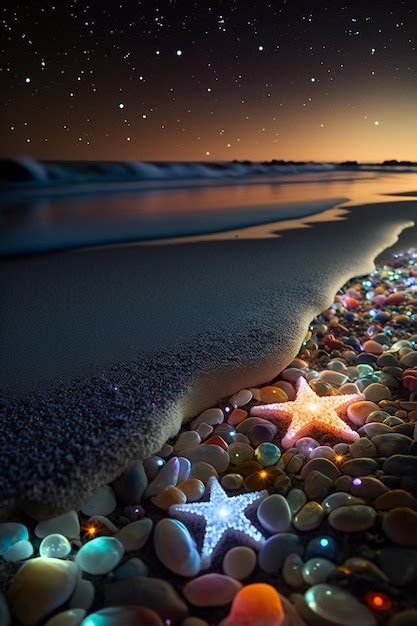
x: 258, y: 603
x: 222, y: 515
x: 357, y: 482
x: 311, y: 412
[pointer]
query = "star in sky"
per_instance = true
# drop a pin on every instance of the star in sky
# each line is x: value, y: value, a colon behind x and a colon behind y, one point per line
x: 222, y: 515
x: 310, y: 412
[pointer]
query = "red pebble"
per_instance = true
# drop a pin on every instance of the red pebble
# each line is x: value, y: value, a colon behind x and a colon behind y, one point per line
x: 216, y: 440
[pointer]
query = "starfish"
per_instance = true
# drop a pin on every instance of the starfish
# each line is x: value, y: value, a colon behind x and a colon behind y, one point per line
x: 309, y: 411
x: 222, y: 515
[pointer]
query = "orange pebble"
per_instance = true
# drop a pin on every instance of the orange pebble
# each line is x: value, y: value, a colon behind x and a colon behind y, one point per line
x: 216, y: 440
x: 256, y: 604
x: 272, y: 394
x: 237, y: 416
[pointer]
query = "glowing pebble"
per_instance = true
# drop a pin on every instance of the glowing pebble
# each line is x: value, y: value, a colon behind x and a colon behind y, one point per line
x: 256, y: 605
x: 55, y: 546
x: 123, y: 616
x: 10, y: 534
x: 100, y: 555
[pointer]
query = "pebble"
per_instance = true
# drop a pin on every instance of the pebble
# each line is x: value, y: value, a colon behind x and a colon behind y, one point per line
x: 399, y: 525
x: 192, y: 488
x: 292, y: 571
x: 363, y: 447
x: 309, y: 517
x: 241, y: 398
x: 240, y: 453
x: 274, y: 514
x: 66, y: 524
x: 212, y: 455
x: 10, y: 534
x: 209, y: 416
x: 261, y: 433
x: 305, y: 445
x: 317, y: 570
x: 168, y: 497
x: 184, y: 470
x: 55, y: 546
x: 271, y: 394
x: 204, y: 430
x: 275, y: 550
x: 187, y: 439
x: 317, y: 485
x: 296, y: 499
x: 239, y: 562
x: 400, y: 464
x: 100, y: 555
x: 152, y: 465
x: 409, y: 360
x: 395, y: 498
x: 295, y: 464
x: 359, y: 411
x: 211, y: 590
x: 373, y: 347
x: 322, y: 546
x: 83, y: 596
x: 325, y: 466
x: 334, y: 378
x: 337, y: 607
x: 267, y: 454
x: 102, y: 503
x: 123, y: 616
x: 375, y: 428
x: 325, y: 452
x: 40, y: 587
x: 232, y: 481
x: 352, y: 518
x: 153, y: 593
x: 72, y: 617
x: 202, y: 471
x: 133, y: 536
x: 375, y: 392
x: 131, y: 568
x: 176, y: 548
x: 359, y: 467
x: 19, y: 551
x: 130, y: 486
x: 338, y: 499
x: 392, y: 443
x: 167, y: 476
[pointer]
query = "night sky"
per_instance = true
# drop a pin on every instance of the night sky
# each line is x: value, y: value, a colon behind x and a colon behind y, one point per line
x: 179, y: 80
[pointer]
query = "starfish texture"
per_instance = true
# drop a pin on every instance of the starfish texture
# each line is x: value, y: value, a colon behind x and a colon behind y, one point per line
x: 309, y: 411
x: 222, y: 515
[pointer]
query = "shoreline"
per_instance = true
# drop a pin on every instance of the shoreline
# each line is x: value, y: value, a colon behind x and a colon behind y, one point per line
x: 125, y: 411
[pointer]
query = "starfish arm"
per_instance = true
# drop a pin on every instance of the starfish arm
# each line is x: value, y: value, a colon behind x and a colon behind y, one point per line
x: 270, y: 410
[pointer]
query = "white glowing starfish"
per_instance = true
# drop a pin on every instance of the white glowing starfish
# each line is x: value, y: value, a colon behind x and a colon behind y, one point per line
x: 222, y: 514
x: 309, y: 411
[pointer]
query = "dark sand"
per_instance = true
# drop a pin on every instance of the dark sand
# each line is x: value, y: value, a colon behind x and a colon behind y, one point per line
x: 233, y: 314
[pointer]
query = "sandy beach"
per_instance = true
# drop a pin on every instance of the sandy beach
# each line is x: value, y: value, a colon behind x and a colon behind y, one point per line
x: 116, y: 347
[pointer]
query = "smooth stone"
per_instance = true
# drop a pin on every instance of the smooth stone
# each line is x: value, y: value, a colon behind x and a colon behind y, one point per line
x: 317, y: 570
x: 19, y: 551
x: 334, y: 378
x: 361, y: 466
x: 153, y: 593
x: 336, y: 607
x: 168, y: 497
x: 55, y: 546
x: 239, y: 562
x: 373, y: 347
x: 5, y: 619
x: 102, y: 503
x: 395, y: 498
x: 240, y: 453
x: 123, y: 616
x: 103, y: 523
x: 131, y: 569
x: 362, y: 566
x: 83, y: 596
x: 152, y: 465
x: 357, y: 412
x: 184, y: 469
x: 274, y: 514
x: 305, y: 445
x: 317, y: 485
x: 187, y: 439
x: 399, y: 525
x: 392, y: 443
x: 10, y: 534
x: 325, y: 466
x: 267, y: 454
x: 296, y: 499
x: 310, y: 516
x: 213, y: 455
x: 212, y: 417
x: 165, y: 451
x: 292, y: 374
x: 375, y: 428
x: 271, y: 394
x: 399, y: 564
x: 237, y: 416
x: 66, y: 524
x: 241, y: 398
x: 287, y: 387
x: 192, y: 488
x: 405, y: 618
x: 341, y: 448
x: 211, y: 590
x: 400, y: 464
x: 295, y: 464
x: 352, y: 518
x: 232, y: 481
x: 363, y: 447
x: 368, y: 488
x: 176, y: 548
x: 167, y: 476
x: 409, y: 359
x: 343, y: 483
x: 348, y: 388
x: 202, y: 471
x: 100, y: 555
x: 133, y: 536
x: 325, y: 452
x: 338, y: 499
x: 72, y: 617
x: 40, y: 587
x: 130, y: 486
x: 275, y: 550
x: 292, y: 571
x: 375, y: 392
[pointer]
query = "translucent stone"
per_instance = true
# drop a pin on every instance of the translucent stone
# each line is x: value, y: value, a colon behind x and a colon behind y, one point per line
x: 100, y: 555
x: 267, y: 454
x: 20, y: 551
x: 11, y: 533
x: 72, y: 617
x: 337, y: 606
x: 55, y: 546
x: 317, y: 570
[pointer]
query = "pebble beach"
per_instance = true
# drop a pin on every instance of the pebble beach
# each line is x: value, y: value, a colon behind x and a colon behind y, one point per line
x: 290, y: 504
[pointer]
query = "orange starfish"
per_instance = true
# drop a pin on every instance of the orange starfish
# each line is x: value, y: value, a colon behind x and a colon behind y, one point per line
x: 309, y: 411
